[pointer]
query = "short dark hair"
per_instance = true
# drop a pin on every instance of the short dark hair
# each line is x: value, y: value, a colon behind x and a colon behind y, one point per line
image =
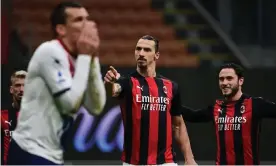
x: 58, y: 15
x: 238, y: 69
x: 156, y: 41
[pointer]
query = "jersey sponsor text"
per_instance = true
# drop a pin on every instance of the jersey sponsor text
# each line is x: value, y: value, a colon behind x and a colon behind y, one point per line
x: 152, y: 103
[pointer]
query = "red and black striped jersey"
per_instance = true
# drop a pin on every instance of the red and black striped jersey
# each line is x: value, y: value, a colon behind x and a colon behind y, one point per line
x: 147, y: 105
x: 8, y: 124
x: 237, y: 125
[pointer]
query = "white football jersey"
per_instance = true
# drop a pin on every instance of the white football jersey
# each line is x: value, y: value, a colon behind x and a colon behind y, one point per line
x: 42, y: 121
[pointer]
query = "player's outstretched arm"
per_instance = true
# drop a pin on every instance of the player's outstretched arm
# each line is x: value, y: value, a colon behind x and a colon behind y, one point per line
x: 197, y: 115
x: 266, y: 109
x: 95, y: 95
x: 52, y: 65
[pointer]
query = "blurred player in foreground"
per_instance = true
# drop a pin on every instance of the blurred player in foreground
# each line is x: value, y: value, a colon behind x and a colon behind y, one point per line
x: 150, y: 106
x: 237, y: 119
x: 63, y: 74
x: 9, y: 116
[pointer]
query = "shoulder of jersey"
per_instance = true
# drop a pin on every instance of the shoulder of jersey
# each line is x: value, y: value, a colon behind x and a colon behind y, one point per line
x: 163, y: 77
x: 52, y: 44
x: 47, y: 48
x: 247, y: 96
x: 259, y: 98
x: 128, y: 76
x: 158, y: 76
x: 167, y: 79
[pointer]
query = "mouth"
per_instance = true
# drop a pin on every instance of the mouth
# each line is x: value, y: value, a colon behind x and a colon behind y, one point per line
x: 141, y: 60
x: 226, y: 89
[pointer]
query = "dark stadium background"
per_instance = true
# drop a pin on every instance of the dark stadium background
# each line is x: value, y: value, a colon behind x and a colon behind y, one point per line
x: 250, y: 27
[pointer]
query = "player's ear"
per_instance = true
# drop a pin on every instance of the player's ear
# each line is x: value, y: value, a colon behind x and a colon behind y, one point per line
x: 241, y: 80
x: 157, y: 54
x: 60, y: 29
x: 11, y: 90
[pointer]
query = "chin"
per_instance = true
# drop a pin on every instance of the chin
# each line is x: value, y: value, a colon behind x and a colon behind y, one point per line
x: 226, y: 94
x: 142, y: 65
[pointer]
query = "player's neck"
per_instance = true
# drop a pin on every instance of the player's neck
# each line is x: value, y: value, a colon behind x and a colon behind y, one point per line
x: 236, y: 97
x: 68, y: 47
x: 147, y: 72
x: 16, y: 104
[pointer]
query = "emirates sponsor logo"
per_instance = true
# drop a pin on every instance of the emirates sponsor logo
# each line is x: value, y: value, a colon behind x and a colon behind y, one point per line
x: 152, y: 103
x: 226, y: 119
x: 229, y: 123
x: 8, y: 133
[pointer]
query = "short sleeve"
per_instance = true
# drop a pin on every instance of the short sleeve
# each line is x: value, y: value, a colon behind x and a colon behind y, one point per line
x: 176, y: 101
x: 54, y: 68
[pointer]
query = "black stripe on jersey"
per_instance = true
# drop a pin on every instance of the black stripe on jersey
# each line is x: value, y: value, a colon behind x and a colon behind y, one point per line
x: 223, y: 160
x: 144, y: 127
x: 128, y: 124
x: 175, y: 89
x: 162, y: 125
x: 12, y: 118
x: 238, y: 141
x: 59, y: 93
x: 255, y: 136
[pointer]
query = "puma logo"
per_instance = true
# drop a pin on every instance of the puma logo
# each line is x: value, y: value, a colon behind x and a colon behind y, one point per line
x: 141, y: 88
x: 8, y: 122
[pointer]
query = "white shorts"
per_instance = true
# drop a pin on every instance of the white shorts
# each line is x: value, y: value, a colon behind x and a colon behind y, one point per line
x: 166, y: 164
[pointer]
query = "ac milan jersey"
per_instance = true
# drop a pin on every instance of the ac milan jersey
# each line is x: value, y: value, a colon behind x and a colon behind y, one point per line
x: 147, y: 105
x: 8, y: 124
x: 237, y: 125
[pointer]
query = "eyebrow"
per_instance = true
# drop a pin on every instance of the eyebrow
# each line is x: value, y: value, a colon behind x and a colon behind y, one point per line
x: 226, y: 77
x: 143, y: 47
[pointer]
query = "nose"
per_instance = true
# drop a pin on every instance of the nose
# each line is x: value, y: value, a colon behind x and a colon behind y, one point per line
x: 21, y: 88
x: 225, y: 83
x: 92, y: 23
x: 142, y: 53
